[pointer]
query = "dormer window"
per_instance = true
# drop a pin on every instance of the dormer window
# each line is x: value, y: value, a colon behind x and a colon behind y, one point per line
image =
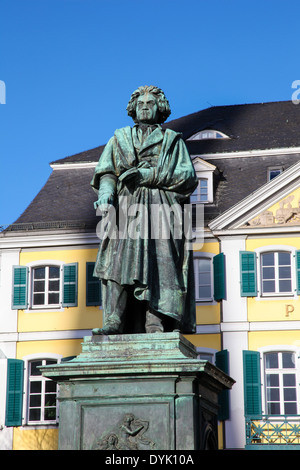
x: 201, y: 192
x: 208, y: 134
x: 204, y: 191
x: 274, y: 171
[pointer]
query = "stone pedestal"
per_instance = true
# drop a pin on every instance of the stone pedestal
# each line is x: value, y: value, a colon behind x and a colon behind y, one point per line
x: 138, y: 392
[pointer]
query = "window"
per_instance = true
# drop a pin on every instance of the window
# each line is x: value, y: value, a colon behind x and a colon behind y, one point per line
x: 204, y: 193
x: 42, y: 393
x: 280, y: 383
x: 222, y: 363
x: 46, y: 286
x: 276, y: 273
x: 210, y: 279
x: 273, y: 172
x: 203, y: 279
x: 211, y: 135
x: 201, y: 192
x: 208, y: 134
x: 205, y: 357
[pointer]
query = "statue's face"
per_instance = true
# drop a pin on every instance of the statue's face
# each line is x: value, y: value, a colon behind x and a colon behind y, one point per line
x: 147, y: 109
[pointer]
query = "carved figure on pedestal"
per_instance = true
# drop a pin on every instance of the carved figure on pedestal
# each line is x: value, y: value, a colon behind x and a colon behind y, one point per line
x: 127, y: 435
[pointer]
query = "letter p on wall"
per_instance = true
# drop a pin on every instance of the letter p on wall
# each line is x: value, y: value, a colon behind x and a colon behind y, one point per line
x: 289, y: 309
x: 2, y: 92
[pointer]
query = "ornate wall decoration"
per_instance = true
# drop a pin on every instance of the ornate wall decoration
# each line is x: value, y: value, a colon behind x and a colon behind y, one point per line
x: 128, y: 434
x: 287, y: 214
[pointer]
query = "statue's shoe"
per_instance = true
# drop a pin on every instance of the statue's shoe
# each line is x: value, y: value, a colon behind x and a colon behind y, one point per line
x: 106, y: 330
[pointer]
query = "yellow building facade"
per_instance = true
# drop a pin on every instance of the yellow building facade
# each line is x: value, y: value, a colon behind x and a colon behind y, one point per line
x: 260, y: 320
x: 247, y: 282
x: 53, y: 334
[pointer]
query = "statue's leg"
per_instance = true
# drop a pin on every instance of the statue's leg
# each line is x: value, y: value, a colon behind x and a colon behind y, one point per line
x: 153, y: 322
x: 114, y: 300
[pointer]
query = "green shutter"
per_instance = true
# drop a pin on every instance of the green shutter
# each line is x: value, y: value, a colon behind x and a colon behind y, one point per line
x: 248, y: 274
x: 297, y: 254
x: 219, y: 276
x: 223, y: 398
x: 93, y: 286
x: 14, y: 392
x: 252, y: 383
x: 20, y: 286
x: 70, y: 285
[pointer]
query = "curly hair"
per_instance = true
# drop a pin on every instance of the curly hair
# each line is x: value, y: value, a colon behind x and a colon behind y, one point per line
x: 162, y: 102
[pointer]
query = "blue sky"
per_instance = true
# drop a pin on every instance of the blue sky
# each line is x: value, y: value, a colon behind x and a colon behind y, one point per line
x: 70, y: 66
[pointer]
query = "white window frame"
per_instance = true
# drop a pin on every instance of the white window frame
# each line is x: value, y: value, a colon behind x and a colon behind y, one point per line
x: 204, y: 170
x: 276, y: 279
x: 277, y: 295
x: 279, y: 349
x: 199, y: 255
x: 41, y: 264
x: 209, y: 134
x: 46, y: 291
x: 204, y: 175
x: 27, y: 360
x: 196, y: 196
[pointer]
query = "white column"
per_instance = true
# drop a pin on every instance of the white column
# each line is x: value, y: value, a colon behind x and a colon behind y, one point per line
x: 234, y: 306
x: 234, y: 328
x: 235, y: 342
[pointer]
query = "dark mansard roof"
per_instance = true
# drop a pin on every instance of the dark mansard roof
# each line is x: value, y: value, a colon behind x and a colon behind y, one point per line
x: 250, y: 127
x: 66, y: 200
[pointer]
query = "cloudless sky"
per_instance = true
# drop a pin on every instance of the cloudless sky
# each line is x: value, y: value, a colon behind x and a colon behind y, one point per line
x: 70, y: 66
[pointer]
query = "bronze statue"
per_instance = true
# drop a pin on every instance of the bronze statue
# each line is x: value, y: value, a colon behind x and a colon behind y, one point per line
x: 147, y: 280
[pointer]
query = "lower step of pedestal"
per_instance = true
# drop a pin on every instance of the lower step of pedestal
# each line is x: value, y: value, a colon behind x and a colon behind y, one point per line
x: 112, y: 400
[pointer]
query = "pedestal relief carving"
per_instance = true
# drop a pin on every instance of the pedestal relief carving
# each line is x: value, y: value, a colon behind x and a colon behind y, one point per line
x: 129, y: 434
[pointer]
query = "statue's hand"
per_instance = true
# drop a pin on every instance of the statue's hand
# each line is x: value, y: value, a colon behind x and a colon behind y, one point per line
x: 104, y: 201
x: 142, y: 175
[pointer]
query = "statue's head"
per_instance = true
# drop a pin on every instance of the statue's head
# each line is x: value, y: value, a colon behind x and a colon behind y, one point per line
x: 148, y: 105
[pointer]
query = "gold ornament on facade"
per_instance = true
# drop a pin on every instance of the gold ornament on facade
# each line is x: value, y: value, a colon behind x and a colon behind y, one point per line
x: 287, y: 214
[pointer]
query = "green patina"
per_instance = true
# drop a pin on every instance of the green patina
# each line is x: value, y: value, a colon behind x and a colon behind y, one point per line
x: 149, y: 167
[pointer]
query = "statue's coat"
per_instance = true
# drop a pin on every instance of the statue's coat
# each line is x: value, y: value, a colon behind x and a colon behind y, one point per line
x: 160, y: 270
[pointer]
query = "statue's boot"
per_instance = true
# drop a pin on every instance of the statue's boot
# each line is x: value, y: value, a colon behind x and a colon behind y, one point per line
x: 106, y: 330
x: 112, y: 326
x: 153, y: 323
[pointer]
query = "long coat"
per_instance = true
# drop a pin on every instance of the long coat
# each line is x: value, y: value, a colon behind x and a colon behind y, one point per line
x: 159, y: 269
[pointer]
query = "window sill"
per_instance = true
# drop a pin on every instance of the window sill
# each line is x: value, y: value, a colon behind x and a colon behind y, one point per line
x: 43, y: 308
x: 201, y: 202
x: 280, y: 418
x: 205, y: 302
x: 50, y: 425
x: 276, y: 296
x: 265, y: 297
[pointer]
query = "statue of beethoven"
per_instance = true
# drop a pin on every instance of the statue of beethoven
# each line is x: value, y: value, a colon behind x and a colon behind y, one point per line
x: 147, y: 281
